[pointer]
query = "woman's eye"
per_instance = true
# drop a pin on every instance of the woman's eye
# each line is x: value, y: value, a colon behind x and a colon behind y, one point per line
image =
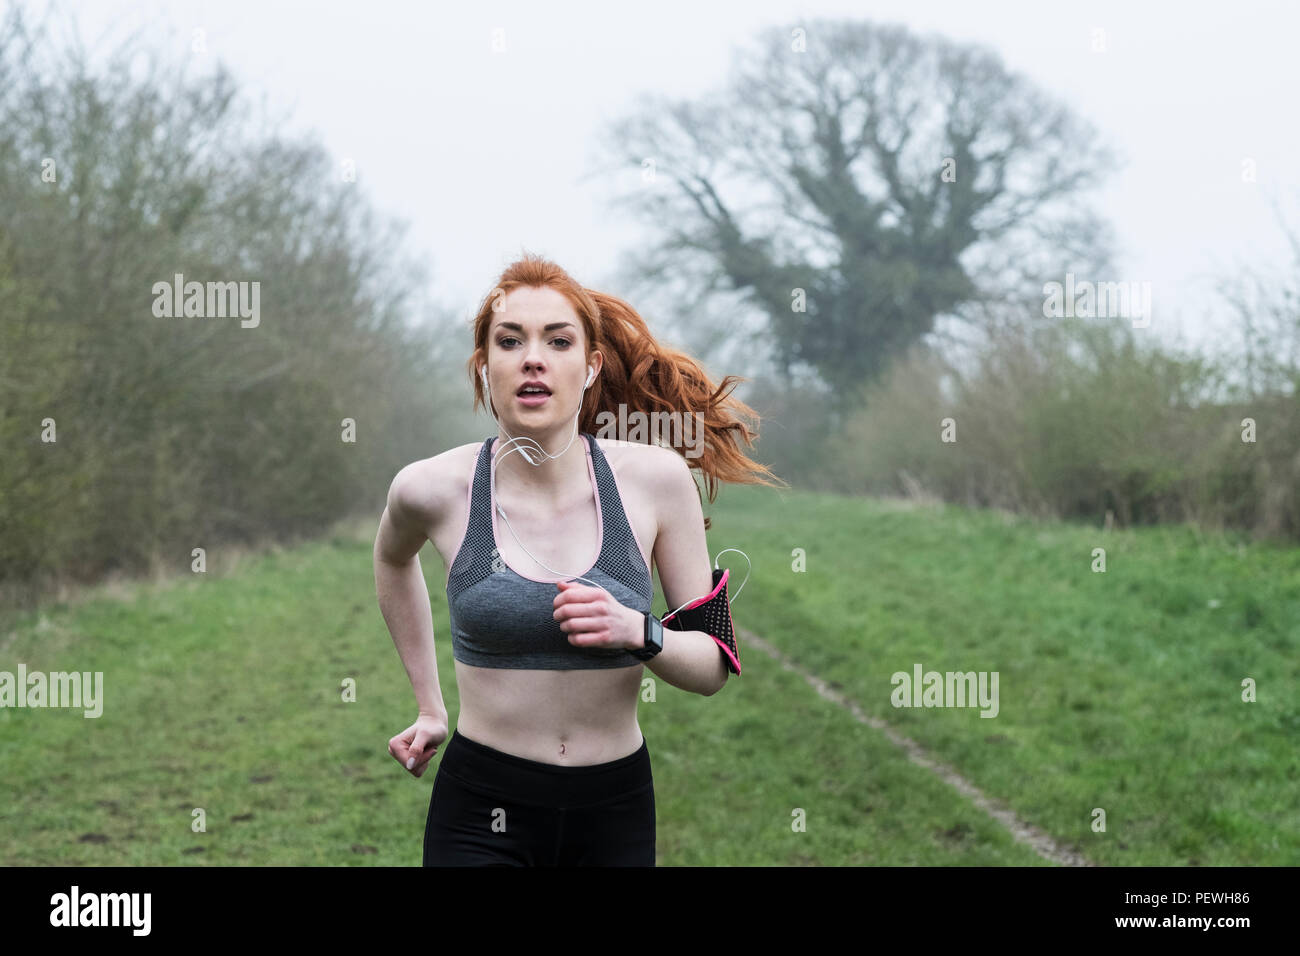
x: 510, y: 338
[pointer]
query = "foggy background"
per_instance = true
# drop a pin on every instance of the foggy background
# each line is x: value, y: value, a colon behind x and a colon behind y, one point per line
x: 484, y: 150
x: 450, y: 139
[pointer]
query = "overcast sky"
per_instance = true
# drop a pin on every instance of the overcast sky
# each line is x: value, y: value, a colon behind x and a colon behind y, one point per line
x: 483, y: 151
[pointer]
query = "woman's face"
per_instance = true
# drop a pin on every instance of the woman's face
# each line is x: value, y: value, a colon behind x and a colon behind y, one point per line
x: 536, y: 337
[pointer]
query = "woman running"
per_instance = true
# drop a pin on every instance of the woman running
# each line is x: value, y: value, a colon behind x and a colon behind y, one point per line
x: 547, y: 765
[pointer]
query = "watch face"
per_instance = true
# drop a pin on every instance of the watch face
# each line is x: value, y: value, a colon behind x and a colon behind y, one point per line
x: 654, y: 635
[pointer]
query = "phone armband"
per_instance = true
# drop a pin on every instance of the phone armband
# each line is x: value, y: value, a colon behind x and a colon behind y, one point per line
x: 712, y: 615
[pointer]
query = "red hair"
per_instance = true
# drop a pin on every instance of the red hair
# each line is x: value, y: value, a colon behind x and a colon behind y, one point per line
x: 638, y: 373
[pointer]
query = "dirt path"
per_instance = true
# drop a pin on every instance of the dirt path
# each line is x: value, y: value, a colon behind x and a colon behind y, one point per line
x: 1032, y: 837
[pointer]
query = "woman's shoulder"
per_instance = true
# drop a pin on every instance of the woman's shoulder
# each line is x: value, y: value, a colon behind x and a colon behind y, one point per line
x: 618, y: 451
x: 446, y: 462
x: 648, y: 464
x: 428, y: 485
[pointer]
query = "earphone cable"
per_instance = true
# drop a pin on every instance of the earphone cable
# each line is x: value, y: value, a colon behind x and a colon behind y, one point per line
x: 500, y: 454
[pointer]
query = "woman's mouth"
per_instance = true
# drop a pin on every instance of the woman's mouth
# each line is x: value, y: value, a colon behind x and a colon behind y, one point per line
x: 531, y: 399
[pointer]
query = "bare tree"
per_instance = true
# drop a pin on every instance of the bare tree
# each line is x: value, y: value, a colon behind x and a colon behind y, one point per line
x: 850, y: 185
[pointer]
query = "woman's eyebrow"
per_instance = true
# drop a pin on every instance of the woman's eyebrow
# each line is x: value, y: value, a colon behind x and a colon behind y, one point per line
x: 549, y: 326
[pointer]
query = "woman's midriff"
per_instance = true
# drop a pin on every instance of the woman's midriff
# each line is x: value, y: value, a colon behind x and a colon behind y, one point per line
x: 567, y: 718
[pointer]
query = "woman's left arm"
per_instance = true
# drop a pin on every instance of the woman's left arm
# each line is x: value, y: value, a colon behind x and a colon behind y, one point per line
x: 690, y: 660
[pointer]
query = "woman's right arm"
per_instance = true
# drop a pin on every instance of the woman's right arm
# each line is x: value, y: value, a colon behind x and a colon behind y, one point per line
x: 399, y: 582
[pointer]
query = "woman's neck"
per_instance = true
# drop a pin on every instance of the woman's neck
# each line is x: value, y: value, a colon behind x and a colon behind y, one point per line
x: 550, y: 477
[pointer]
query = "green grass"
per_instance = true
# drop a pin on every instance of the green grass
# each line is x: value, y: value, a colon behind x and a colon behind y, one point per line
x: 1119, y: 690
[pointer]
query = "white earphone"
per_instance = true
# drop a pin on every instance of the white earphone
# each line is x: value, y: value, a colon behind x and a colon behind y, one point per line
x: 496, y: 459
x: 591, y: 375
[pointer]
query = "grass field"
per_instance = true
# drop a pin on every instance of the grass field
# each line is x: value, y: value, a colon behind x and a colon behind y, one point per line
x: 1119, y: 690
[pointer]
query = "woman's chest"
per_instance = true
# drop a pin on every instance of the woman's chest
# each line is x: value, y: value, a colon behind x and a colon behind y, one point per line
x: 541, y: 543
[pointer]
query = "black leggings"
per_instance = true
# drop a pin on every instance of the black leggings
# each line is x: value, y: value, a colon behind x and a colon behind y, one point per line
x: 495, y: 809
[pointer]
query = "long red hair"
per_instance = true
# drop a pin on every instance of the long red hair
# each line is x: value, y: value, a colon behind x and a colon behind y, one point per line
x: 639, y: 373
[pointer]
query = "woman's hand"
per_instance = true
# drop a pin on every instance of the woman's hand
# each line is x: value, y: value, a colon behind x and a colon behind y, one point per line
x: 415, y: 746
x: 591, y: 617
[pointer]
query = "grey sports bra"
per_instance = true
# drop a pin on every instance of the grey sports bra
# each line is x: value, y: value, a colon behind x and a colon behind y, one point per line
x: 499, y: 618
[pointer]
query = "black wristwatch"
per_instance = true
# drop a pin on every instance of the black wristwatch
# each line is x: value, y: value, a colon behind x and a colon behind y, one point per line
x: 654, y: 639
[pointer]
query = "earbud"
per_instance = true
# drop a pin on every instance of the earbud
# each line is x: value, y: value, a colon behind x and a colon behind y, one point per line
x: 591, y: 374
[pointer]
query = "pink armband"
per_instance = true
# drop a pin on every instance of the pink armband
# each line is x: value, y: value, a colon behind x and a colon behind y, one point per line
x: 712, y: 615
